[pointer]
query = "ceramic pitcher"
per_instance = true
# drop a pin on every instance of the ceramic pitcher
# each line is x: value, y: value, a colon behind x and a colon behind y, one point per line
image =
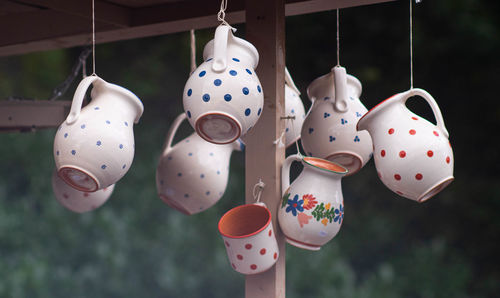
x: 94, y: 146
x: 413, y: 156
x: 312, y: 208
x: 223, y: 97
x: 192, y: 175
x: 329, y: 130
x: 293, y: 107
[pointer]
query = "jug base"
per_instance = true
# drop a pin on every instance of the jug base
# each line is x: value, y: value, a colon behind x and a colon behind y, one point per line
x: 78, y: 178
x: 434, y: 190
x: 218, y: 128
x: 351, y: 161
x: 173, y: 204
x: 303, y: 245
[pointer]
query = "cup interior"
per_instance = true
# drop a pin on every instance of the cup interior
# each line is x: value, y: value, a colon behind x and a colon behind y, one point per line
x: 325, y: 164
x: 218, y: 128
x: 78, y: 179
x: 244, y: 221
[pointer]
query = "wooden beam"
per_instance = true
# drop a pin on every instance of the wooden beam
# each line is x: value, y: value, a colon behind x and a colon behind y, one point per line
x: 263, y: 159
x: 27, y: 115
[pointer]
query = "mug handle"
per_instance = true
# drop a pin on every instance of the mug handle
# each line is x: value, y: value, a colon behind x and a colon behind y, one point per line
x: 285, y: 171
x: 220, y: 48
x: 340, y: 77
x: 171, y: 133
x: 76, y: 105
x: 434, y: 106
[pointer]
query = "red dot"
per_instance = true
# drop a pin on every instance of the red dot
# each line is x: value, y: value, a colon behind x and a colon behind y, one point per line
x: 402, y: 154
x: 399, y: 193
x: 227, y: 243
x: 419, y: 176
x: 391, y: 131
x: 412, y: 132
x: 234, y: 266
x: 275, y: 255
x: 414, y: 118
x: 248, y: 246
x: 382, y: 153
x: 240, y: 257
x: 430, y: 153
x: 65, y: 196
x: 85, y: 194
x: 270, y: 233
x: 379, y: 175
x: 447, y: 159
x: 397, y: 177
x: 253, y: 266
x: 436, y: 133
x: 263, y: 251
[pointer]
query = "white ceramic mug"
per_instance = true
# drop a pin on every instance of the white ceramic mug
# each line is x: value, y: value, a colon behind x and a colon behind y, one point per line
x: 223, y: 98
x: 293, y: 107
x: 249, y: 238
x: 329, y: 130
x: 192, y: 175
x: 413, y: 156
x: 79, y: 201
x: 94, y: 146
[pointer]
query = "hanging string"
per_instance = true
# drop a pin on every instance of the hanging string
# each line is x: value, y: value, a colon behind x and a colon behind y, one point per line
x: 93, y: 38
x: 258, y: 189
x: 193, y: 51
x: 338, y: 38
x: 411, y: 45
x: 222, y: 13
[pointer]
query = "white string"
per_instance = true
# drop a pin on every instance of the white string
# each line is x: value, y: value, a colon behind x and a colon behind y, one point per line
x: 411, y: 45
x: 93, y: 38
x: 193, y: 51
x: 222, y: 12
x: 258, y: 189
x: 338, y: 38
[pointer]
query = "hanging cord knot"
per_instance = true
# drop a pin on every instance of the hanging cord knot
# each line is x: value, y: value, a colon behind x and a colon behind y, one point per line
x: 193, y: 50
x: 221, y: 15
x: 258, y: 189
x: 279, y: 141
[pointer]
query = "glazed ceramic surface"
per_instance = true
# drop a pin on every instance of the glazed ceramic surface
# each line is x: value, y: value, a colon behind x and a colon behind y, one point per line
x: 413, y: 156
x: 94, y: 147
x: 329, y: 130
x: 223, y: 97
x: 249, y: 238
x: 79, y: 201
x: 312, y: 208
x: 192, y: 175
x: 293, y: 107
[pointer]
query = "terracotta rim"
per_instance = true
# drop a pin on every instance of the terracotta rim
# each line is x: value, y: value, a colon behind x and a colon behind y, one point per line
x: 325, y: 165
x: 173, y: 204
x: 354, y: 155
x: 373, y: 109
x: 434, y: 190
x: 227, y: 221
x: 62, y: 173
x: 208, y: 139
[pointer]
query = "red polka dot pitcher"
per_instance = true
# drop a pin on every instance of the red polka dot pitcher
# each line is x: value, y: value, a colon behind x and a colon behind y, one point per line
x: 413, y: 156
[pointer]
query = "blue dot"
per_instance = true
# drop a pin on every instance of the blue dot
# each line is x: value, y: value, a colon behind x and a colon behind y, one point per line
x: 96, y: 108
x: 233, y: 72
x: 247, y: 112
x: 236, y: 59
x: 189, y: 114
x: 98, y: 143
x: 202, y: 73
x: 169, y: 158
x: 161, y: 182
x: 259, y: 89
x: 126, y: 123
x: 217, y: 82
x: 202, y: 176
x: 82, y: 126
x: 186, y: 195
x: 65, y: 135
x: 121, y: 146
x: 218, y: 172
x: 124, y: 166
x: 259, y: 111
x: 245, y: 90
x: 228, y: 97
x: 179, y: 174
x: 57, y: 152
x: 108, y: 122
x: 206, y: 97
x: 209, y: 59
x: 73, y: 152
x: 248, y: 70
x: 190, y: 91
x: 293, y: 111
x: 190, y: 154
x: 103, y: 167
x: 211, y: 154
x: 207, y: 193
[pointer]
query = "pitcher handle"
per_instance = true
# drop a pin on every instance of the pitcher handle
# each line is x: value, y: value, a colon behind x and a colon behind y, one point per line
x: 289, y: 81
x: 285, y: 171
x: 76, y: 105
x: 220, y: 48
x: 340, y: 77
x: 434, y: 106
x: 171, y: 133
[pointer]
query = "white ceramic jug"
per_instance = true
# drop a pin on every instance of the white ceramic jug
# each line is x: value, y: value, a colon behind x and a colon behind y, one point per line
x: 223, y: 97
x: 312, y: 209
x: 192, y: 175
x: 94, y: 147
x: 293, y: 107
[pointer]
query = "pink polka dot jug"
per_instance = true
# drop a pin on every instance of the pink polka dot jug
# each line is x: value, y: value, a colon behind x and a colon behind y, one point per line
x: 413, y: 156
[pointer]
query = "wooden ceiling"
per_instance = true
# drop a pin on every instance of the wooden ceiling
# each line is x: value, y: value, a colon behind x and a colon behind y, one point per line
x: 38, y: 25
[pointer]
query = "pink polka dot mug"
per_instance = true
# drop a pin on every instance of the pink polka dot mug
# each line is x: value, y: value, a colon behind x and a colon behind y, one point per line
x: 413, y: 156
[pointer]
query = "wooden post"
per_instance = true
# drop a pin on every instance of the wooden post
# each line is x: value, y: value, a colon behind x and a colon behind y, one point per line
x: 265, y: 29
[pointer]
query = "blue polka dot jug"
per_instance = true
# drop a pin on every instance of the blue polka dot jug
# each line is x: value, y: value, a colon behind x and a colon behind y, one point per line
x: 94, y: 146
x: 223, y: 97
x: 293, y: 107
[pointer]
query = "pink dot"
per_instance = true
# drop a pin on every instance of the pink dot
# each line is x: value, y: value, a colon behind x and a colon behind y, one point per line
x: 419, y: 176
x: 270, y: 233
x: 391, y: 131
x: 275, y: 255
x: 397, y: 177
x: 399, y: 193
x: 65, y: 196
x: 430, y: 153
x: 234, y: 266
x: 436, y: 133
x: 412, y: 132
x: 382, y: 153
x: 248, y: 246
x: 447, y: 159
x: 263, y: 251
x: 85, y: 194
x: 240, y: 257
x: 402, y: 154
x: 253, y: 266
x: 227, y: 243
x: 414, y: 118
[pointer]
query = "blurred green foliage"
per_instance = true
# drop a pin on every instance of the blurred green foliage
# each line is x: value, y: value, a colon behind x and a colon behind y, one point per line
x: 135, y: 246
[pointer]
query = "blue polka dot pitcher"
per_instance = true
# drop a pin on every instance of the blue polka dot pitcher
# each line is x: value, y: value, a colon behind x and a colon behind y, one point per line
x: 223, y: 97
x: 94, y: 146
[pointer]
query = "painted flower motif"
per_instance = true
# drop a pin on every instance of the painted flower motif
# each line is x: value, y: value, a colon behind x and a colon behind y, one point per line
x: 324, y: 221
x: 285, y: 199
x: 309, y: 201
x: 339, y: 215
x: 327, y: 206
x: 294, y: 205
x: 303, y: 219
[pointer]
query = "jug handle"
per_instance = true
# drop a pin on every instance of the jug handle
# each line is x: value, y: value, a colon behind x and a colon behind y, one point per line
x: 285, y: 172
x: 434, y: 106
x: 76, y: 105
x: 340, y: 77
x: 171, y: 133
x: 220, y: 48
